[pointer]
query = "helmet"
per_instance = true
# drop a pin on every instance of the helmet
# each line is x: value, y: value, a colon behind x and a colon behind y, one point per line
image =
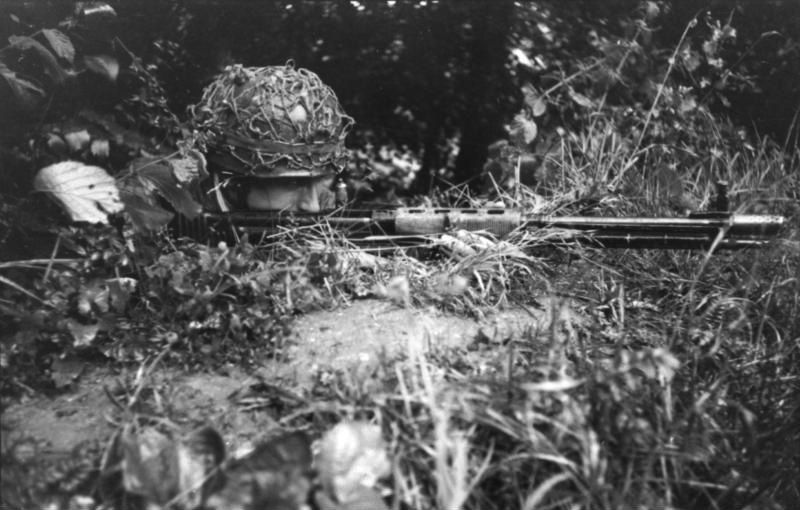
x: 279, y: 127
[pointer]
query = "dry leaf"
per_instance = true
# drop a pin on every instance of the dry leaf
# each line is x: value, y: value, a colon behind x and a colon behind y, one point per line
x: 87, y: 193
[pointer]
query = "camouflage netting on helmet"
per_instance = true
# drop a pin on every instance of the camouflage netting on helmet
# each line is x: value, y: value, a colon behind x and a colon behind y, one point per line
x: 274, y: 120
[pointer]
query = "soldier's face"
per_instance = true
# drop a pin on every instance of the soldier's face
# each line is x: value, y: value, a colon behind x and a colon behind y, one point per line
x: 312, y: 194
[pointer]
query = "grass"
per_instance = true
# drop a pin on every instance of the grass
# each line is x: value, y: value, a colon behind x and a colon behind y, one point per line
x: 663, y: 379
x: 677, y: 388
x: 680, y: 392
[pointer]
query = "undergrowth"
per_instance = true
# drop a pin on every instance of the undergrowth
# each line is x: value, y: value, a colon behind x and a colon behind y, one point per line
x: 677, y: 387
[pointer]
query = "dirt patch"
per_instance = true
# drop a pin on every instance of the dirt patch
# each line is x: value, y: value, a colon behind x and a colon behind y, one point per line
x: 357, y: 337
x: 370, y: 331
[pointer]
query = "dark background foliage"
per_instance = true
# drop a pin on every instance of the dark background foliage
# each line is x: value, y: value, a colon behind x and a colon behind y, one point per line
x: 419, y: 73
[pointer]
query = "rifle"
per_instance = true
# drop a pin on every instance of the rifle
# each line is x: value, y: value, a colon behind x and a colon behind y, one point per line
x: 720, y: 230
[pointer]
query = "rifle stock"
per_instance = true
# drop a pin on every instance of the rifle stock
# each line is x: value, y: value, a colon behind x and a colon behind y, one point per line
x: 698, y: 231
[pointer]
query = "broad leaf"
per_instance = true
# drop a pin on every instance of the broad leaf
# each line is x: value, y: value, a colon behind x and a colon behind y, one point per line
x: 28, y: 94
x: 87, y: 193
x: 146, y: 217
x: 61, y: 44
x: 158, y: 175
x: 104, y: 65
x: 51, y: 66
x: 128, y: 139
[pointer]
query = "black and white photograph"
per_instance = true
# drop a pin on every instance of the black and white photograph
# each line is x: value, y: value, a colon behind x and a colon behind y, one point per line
x: 399, y: 255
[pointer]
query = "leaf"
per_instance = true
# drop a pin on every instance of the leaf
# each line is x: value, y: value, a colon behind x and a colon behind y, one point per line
x: 83, y: 334
x: 199, y: 456
x: 120, y: 291
x: 352, y: 456
x: 539, y: 107
x: 457, y: 248
x: 51, y: 66
x: 535, y: 103
x: 56, y: 144
x: 77, y: 140
x: 533, y: 499
x: 189, y: 168
x: 276, y: 475
x: 87, y: 193
x: 128, y: 139
x: 100, y: 149
x: 522, y: 130
x: 88, y: 10
x: 580, y: 99
x: 362, y: 498
x: 149, y: 465
x: 27, y: 93
x: 691, y: 59
x: 146, y: 217
x: 159, y: 176
x: 64, y: 372
x: 104, y: 65
x: 398, y: 291
x: 61, y: 44
x: 688, y: 104
x: 563, y: 384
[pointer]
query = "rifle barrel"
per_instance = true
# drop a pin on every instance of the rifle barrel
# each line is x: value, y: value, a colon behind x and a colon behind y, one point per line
x: 723, y: 230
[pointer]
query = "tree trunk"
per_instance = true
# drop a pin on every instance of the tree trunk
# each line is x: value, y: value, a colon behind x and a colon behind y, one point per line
x: 486, y: 96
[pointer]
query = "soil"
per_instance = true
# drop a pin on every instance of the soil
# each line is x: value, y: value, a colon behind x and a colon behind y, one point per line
x: 356, y: 339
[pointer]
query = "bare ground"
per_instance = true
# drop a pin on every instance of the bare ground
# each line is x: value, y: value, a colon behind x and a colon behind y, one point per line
x: 353, y: 339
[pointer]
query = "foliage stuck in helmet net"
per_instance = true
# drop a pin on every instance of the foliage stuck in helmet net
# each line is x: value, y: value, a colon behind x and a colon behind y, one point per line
x: 272, y: 118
